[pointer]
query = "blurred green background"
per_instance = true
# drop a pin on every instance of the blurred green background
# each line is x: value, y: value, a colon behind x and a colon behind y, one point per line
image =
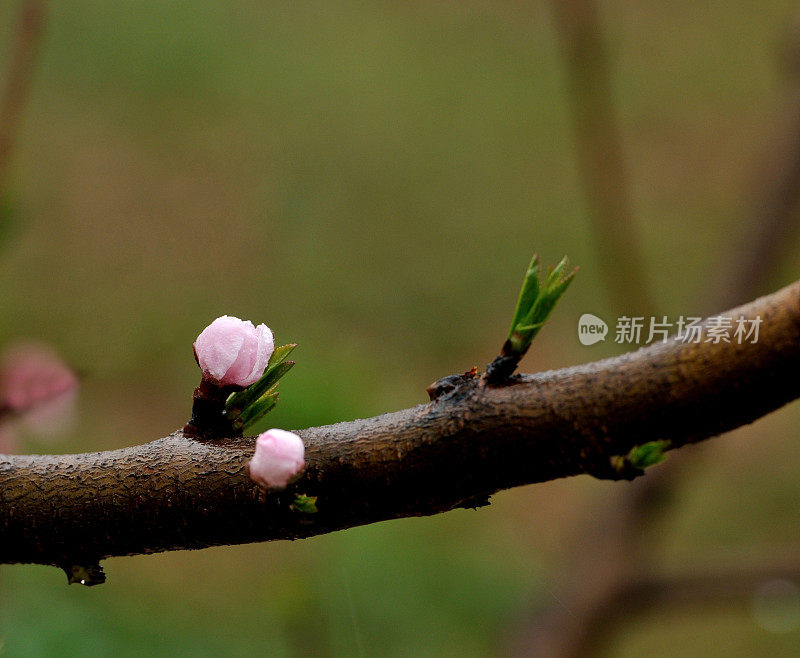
x: 370, y: 180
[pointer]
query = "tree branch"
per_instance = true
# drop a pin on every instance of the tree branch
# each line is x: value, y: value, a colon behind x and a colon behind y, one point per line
x: 471, y: 441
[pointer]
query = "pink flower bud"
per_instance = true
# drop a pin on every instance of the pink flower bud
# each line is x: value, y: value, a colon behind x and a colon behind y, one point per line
x: 279, y: 458
x: 231, y: 351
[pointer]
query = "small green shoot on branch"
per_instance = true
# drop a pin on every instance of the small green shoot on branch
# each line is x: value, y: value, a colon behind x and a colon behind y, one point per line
x: 640, y: 457
x: 537, y: 299
x: 536, y: 302
x: 304, y: 504
x: 648, y: 454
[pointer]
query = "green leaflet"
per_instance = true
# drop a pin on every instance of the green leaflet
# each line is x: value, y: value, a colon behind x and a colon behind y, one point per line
x: 248, y: 396
x: 528, y: 293
x: 256, y: 410
x: 281, y: 353
x: 536, y: 301
x: 648, y: 454
x: 257, y: 400
x: 304, y: 504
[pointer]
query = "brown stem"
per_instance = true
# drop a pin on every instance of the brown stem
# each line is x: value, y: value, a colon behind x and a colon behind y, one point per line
x: 504, y: 365
x: 180, y: 492
x: 208, y: 412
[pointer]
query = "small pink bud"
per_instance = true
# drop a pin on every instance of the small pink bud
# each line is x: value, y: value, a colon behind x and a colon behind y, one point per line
x: 279, y: 458
x: 231, y: 351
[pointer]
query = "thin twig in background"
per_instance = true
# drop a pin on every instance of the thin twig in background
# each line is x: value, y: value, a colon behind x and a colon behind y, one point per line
x: 610, y: 547
x: 601, y: 157
x: 719, y: 580
x: 18, y: 76
x: 773, y: 221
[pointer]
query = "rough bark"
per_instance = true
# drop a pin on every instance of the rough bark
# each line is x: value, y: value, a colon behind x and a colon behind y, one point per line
x: 472, y: 440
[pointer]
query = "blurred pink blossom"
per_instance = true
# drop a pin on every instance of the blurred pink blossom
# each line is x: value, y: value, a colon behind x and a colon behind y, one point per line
x: 37, y: 391
x: 231, y: 351
x: 279, y: 458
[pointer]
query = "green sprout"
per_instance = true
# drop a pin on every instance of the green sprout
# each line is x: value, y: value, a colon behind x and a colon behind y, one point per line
x: 247, y: 407
x: 536, y: 301
x: 648, y: 454
x: 304, y: 504
x: 640, y: 457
